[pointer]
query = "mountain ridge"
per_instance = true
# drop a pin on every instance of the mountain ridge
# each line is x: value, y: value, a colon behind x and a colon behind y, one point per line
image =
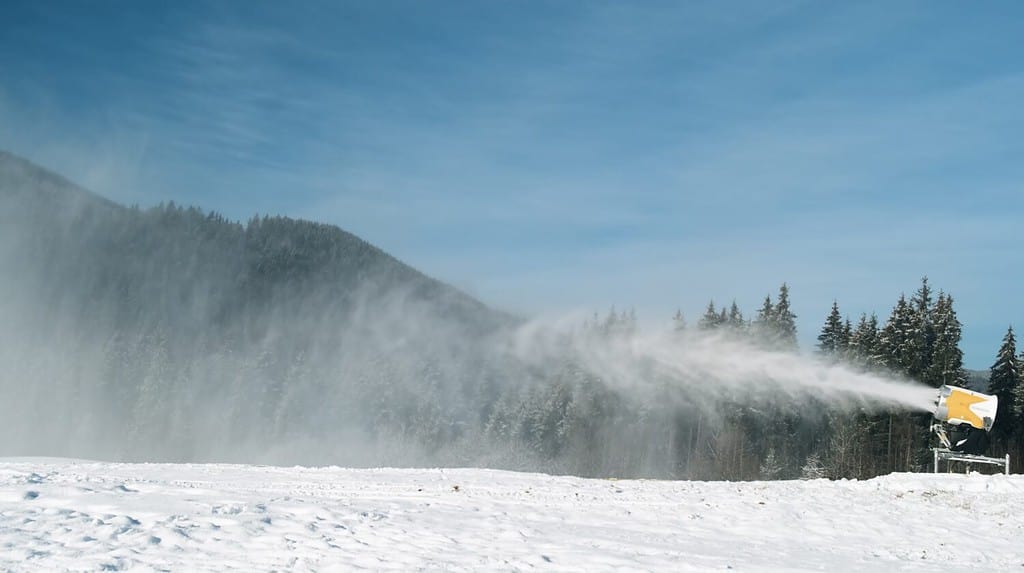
x: 19, y: 173
x: 172, y: 333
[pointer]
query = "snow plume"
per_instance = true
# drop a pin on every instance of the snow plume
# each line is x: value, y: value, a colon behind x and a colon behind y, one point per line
x: 169, y: 334
x: 395, y: 381
x: 709, y: 367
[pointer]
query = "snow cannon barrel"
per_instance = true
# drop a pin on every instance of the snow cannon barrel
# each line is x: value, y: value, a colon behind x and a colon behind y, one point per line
x: 962, y: 406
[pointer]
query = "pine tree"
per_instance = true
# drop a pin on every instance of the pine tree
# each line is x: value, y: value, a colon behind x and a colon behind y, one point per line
x: 679, y: 321
x: 844, y: 337
x: 785, y: 320
x: 765, y: 315
x: 894, y: 346
x: 763, y: 324
x: 830, y: 341
x: 864, y: 341
x: 921, y: 340
x: 711, y: 318
x: 946, y: 365
x: 1003, y: 382
x: 735, y: 319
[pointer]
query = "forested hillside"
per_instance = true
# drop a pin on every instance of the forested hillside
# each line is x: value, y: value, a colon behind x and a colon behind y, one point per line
x: 171, y: 333
x: 174, y: 333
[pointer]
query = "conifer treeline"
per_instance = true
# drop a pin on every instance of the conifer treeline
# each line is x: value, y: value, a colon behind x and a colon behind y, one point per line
x: 774, y: 326
x: 919, y: 341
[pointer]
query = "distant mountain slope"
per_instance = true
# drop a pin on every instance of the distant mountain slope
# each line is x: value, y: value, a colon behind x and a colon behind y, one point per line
x: 259, y: 258
x: 978, y: 379
x: 154, y: 333
x: 23, y: 180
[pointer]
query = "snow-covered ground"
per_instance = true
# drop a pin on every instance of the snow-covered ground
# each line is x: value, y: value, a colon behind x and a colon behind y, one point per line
x: 72, y: 515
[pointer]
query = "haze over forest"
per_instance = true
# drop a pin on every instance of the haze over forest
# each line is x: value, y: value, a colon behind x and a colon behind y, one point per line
x: 172, y: 333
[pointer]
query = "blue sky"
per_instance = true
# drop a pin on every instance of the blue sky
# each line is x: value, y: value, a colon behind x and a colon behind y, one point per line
x: 563, y: 156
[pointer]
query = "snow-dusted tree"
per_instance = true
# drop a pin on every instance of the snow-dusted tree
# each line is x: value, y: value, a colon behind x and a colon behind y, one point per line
x: 894, y: 346
x: 813, y: 468
x: 766, y: 314
x: 775, y: 325
x: 1004, y: 382
x: 785, y: 320
x: 864, y: 341
x: 761, y: 327
x: 921, y: 339
x: 830, y: 341
x: 947, y: 359
x: 711, y: 318
x: 735, y: 319
x: 771, y: 467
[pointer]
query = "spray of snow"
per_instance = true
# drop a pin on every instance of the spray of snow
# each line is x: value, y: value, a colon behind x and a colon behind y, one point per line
x: 708, y: 367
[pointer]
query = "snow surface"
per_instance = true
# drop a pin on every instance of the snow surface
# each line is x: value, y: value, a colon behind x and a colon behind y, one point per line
x: 79, y: 515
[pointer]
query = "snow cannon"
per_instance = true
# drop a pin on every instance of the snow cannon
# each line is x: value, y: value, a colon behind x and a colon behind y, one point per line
x: 962, y: 406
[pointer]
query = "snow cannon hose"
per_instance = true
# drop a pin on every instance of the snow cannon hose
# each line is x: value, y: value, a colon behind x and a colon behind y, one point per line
x: 962, y: 406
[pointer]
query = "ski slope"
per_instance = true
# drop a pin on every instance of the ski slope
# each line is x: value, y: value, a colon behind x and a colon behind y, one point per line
x: 85, y: 516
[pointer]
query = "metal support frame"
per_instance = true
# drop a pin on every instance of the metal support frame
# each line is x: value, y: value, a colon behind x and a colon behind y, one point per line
x: 950, y: 456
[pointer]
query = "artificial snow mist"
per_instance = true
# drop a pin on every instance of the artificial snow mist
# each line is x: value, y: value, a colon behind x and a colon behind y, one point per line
x: 174, y: 334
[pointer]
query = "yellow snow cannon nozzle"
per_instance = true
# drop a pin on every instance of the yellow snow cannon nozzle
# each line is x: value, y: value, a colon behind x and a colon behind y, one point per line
x: 962, y: 406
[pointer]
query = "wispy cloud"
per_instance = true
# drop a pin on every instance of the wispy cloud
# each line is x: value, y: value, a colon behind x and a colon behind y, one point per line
x: 566, y: 154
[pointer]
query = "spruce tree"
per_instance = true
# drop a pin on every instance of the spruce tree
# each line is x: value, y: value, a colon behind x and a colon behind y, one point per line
x: 764, y: 315
x: 1004, y: 382
x: 735, y: 318
x: 830, y: 340
x: 921, y: 339
x: 844, y: 337
x: 864, y: 341
x: 894, y: 340
x: 946, y: 365
x: 856, y: 344
x: 785, y: 320
x: 711, y: 318
x: 764, y: 323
